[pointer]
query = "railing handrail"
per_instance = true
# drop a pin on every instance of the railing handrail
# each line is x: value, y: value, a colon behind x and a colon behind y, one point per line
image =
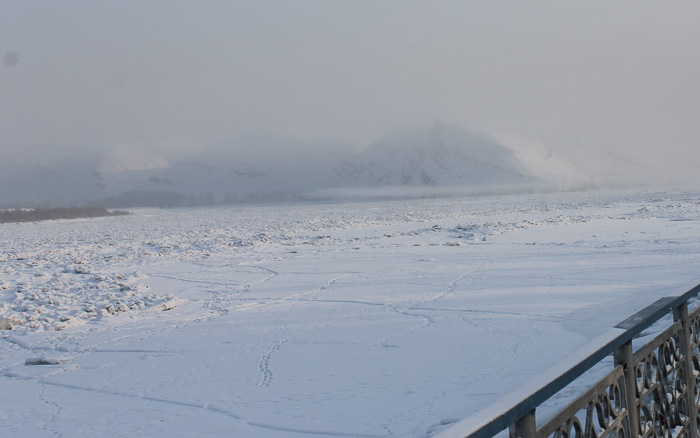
x: 506, y: 411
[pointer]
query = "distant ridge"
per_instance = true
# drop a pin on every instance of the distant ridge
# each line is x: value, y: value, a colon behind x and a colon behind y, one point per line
x: 441, y: 160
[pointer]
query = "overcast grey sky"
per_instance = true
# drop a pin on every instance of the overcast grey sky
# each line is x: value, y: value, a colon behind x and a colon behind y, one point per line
x: 569, y: 74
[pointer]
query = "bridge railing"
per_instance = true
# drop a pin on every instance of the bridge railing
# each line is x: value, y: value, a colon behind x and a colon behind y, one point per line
x: 651, y: 392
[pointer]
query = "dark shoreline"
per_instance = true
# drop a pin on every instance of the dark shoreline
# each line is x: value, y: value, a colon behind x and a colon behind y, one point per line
x: 42, y: 214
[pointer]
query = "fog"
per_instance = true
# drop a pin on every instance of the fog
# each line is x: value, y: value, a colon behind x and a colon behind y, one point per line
x: 588, y: 78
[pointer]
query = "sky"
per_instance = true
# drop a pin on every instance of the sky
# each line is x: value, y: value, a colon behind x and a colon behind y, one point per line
x: 579, y: 76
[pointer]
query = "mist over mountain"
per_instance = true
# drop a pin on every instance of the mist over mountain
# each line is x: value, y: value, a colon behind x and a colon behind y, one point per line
x: 442, y: 160
x: 123, y: 158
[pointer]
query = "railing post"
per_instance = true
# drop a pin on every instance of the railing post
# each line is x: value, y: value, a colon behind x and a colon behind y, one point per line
x: 525, y: 427
x: 624, y: 357
x: 681, y: 314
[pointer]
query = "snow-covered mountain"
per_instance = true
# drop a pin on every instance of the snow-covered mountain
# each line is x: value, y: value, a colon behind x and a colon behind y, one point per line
x: 419, y: 162
x: 447, y: 159
x: 442, y: 156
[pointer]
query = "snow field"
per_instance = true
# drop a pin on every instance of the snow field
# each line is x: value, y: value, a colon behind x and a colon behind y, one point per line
x: 375, y: 319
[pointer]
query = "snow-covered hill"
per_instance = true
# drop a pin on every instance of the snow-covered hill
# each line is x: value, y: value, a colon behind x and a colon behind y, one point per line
x: 252, y: 170
x: 439, y: 160
x: 444, y: 155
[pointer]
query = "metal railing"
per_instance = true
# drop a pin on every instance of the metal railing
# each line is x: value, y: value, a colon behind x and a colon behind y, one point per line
x: 652, y: 392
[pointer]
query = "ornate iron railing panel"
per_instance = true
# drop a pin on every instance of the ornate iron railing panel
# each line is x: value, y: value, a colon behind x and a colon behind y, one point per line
x: 694, y: 327
x: 600, y: 412
x: 661, y: 390
x: 651, y: 393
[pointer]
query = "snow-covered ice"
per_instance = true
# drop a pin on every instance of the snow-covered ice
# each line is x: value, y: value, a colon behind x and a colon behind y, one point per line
x: 359, y: 320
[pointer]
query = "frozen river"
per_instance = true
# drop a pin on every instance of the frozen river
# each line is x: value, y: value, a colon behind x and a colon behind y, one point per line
x: 372, y: 319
